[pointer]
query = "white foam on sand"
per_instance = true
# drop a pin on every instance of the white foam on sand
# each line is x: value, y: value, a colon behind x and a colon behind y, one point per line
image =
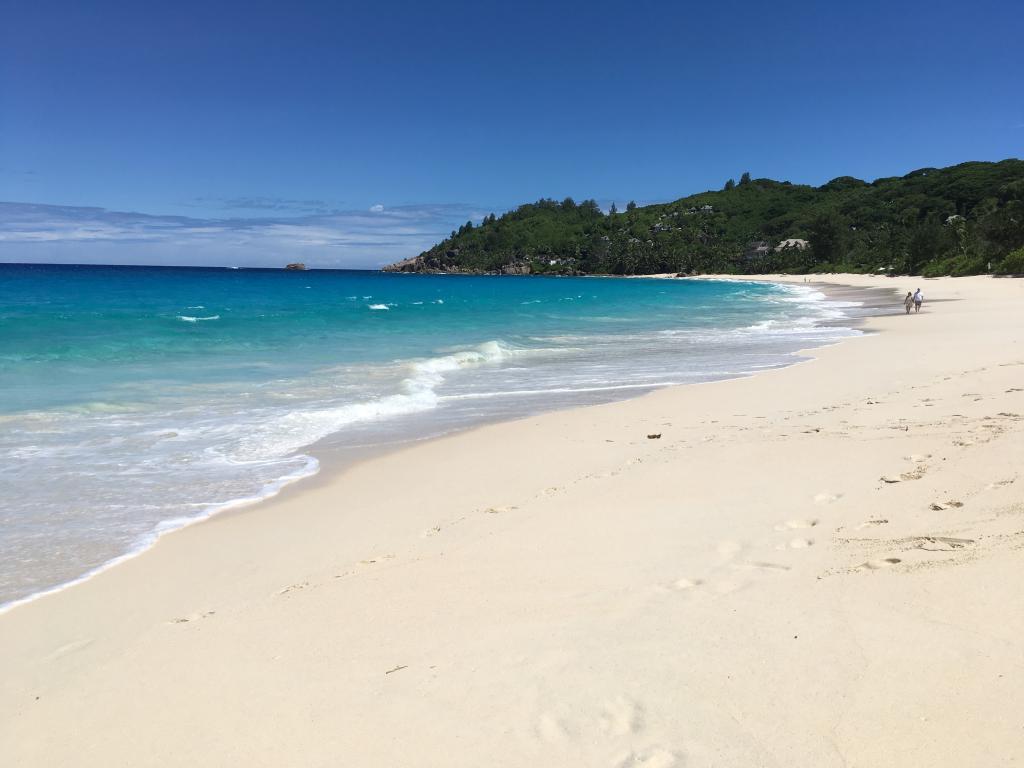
x: 310, y: 467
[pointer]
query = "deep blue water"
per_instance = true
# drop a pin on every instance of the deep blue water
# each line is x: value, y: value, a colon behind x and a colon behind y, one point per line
x: 133, y: 399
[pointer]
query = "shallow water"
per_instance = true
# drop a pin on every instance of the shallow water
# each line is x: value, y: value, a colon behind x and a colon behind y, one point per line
x: 135, y: 400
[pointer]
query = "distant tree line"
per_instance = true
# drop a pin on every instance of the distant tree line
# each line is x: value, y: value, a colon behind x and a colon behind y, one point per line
x: 965, y: 219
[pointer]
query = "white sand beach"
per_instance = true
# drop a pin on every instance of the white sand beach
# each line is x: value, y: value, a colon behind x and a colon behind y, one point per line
x: 820, y: 565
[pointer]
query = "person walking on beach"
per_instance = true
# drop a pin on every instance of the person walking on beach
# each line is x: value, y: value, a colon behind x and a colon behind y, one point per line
x: 918, y: 300
x: 908, y: 302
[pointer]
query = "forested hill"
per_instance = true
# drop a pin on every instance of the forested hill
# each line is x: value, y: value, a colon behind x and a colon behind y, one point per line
x: 965, y: 219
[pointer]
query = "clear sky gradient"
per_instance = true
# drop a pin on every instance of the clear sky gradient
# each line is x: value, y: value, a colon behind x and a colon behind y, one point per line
x: 349, y: 134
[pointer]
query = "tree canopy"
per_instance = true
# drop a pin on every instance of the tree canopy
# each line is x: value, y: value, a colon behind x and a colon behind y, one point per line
x: 964, y: 219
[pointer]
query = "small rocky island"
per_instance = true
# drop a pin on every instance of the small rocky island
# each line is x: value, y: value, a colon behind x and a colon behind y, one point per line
x: 295, y: 266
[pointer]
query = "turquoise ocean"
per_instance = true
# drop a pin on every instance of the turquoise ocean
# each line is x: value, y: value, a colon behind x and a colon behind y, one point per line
x: 136, y: 400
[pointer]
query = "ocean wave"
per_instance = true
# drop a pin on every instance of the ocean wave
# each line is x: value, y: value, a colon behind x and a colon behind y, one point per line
x: 310, y: 466
x: 815, y: 308
x: 191, y: 319
x: 232, y: 439
x: 278, y: 436
x: 805, y: 294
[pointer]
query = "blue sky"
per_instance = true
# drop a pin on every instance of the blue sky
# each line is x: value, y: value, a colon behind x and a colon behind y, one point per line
x: 350, y: 134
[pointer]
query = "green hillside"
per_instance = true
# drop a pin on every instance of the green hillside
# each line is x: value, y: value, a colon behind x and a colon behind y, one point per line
x: 965, y: 219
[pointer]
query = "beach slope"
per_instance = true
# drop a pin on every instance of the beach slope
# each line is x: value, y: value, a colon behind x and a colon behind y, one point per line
x: 816, y: 566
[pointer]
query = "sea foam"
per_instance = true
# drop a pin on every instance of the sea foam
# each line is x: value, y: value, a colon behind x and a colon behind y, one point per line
x: 148, y: 428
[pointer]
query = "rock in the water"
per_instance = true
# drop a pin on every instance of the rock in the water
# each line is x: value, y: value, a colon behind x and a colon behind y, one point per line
x: 447, y: 264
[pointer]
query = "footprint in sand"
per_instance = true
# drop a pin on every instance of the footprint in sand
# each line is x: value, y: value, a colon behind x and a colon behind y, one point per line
x: 685, y: 583
x: 499, y: 510
x: 765, y: 565
x: 551, y: 729
x: 796, y: 524
x: 797, y: 544
x: 192, y: 617
x: 652, y: 757
x: 940, y: 506
x: 941, y: 543
x: 870, y: 523
x: 620, y: 717
x: 372, y: 561
x: 617, y: 717
x: 876, y: 565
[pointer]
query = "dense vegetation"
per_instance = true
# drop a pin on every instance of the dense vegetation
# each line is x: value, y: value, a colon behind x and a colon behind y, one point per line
x: 965, y: 219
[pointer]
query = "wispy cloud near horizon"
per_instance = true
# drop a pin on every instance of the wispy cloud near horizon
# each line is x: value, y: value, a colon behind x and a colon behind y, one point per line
x: 277, y: 205
x: 31, y: 232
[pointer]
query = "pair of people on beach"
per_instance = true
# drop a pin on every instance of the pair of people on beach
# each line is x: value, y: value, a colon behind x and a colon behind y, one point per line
x: 915, y: 300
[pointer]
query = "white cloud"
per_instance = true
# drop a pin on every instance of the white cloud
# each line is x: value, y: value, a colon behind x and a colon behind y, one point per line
x: 342, y: 239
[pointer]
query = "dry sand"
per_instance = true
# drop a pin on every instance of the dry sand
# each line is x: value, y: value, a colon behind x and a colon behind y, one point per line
x: 817, y: 566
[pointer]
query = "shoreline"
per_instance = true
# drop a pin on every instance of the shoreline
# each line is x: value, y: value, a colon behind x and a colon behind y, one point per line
x: 331, y: 464
x: 838, y: 533
x: 324, y: 459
